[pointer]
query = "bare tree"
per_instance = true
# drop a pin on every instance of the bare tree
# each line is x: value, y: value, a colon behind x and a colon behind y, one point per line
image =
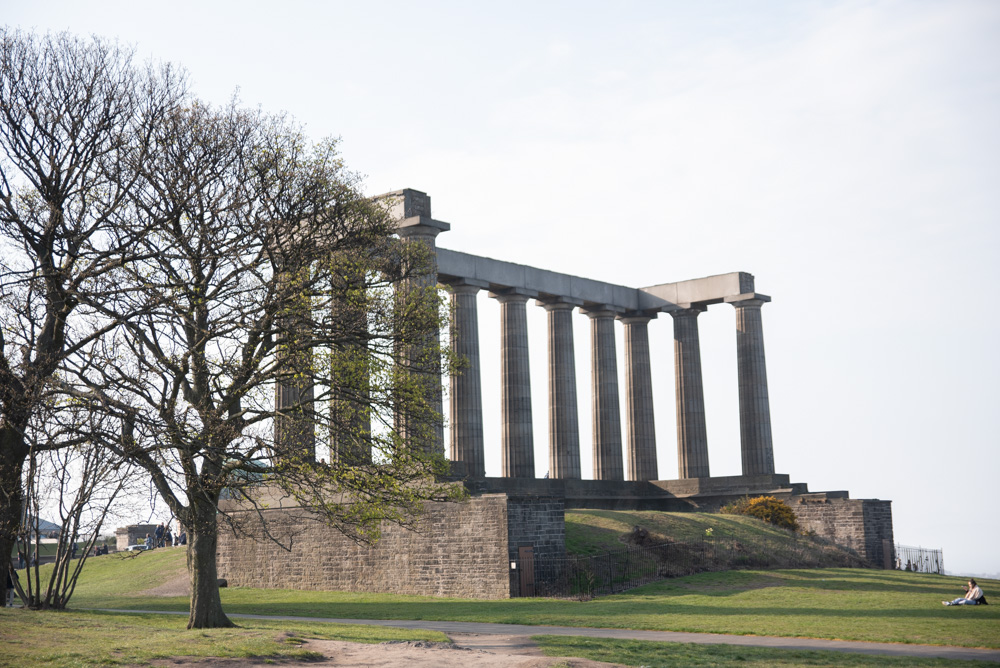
x: 170, y: 266
x: 76, y: 118
x: 264, y: 267
x: 74, y: 480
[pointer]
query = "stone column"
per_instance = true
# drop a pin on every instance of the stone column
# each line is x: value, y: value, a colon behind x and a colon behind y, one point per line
x: 692, y: 438
x: 294, y: 436
x: 606, y: 413
x: 421, y: 229
x: 755, y: 409
x: 564, y: 421
x: 294, y: 419
x: 517, y: 442
x: 466, y: 393
x: 350, y: 401
x: 641, y: 452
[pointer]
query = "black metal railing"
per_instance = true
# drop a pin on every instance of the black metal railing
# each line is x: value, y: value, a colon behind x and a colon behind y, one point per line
x: 615, y: 571
x: 595, y: 575
x: 919, y: 559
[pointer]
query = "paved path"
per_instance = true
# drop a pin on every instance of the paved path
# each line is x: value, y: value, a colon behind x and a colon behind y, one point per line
x: 523, y: 632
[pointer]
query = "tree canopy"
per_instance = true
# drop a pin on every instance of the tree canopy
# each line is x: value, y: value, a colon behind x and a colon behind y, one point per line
x: 218, y: 285
x: 76, y: 118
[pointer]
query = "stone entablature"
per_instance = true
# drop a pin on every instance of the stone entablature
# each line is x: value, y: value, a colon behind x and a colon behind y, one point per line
x: 548, y: 285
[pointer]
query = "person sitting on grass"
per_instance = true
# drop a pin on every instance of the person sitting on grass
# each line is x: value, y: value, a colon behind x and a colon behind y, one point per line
x: 973, y: 596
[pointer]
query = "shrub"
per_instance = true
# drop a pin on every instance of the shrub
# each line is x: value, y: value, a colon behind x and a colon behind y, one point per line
x: 765, y: 508
x: 643, y: 538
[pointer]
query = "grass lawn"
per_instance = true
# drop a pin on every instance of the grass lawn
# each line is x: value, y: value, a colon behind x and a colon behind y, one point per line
x: 686, y: 655
x: 29, y: 638
x: 849, y: 604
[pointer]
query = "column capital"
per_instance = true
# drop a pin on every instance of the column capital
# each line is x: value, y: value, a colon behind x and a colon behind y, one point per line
x: 420, y: 227
x: 636, y: 317
x: 688, y: 311
x: 750, y: 299
x: 559, y: 303
x: 467, y: 286
x: 601, y: 311
x: 513, y: 295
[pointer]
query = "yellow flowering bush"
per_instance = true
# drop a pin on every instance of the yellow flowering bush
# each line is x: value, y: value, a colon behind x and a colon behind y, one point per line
x: 766, y: 508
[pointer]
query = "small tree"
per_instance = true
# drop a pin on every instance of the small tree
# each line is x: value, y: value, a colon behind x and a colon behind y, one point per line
x: 72, y: 479
x: 767, y: 508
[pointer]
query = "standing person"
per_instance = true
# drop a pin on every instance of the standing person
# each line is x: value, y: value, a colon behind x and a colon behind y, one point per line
x: 149, y: 542
x: 973, y: 596
x: 159, y: 535
x: 169, y: 537
x: 22, y: 560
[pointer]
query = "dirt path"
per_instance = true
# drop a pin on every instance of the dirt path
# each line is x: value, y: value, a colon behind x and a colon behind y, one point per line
x: 469, y: 650
x: 512, y: 643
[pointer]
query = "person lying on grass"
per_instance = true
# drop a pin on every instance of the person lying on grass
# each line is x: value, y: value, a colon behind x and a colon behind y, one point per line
x: 973, y: 596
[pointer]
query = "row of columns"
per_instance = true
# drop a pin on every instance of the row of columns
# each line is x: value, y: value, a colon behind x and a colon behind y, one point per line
x: 564, y: 436
x: 467, y: 443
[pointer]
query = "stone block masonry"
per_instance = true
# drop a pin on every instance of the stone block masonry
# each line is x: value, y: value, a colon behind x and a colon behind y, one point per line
x: 458, y: 549
x: 539, y: 522
x: 859, y: 524
x: 132, y: 534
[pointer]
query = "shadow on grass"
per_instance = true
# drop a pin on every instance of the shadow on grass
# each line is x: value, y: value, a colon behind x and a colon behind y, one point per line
x: 672, y: 596
x: 877, y: 581
x: 607, y: 612
x: 728, y: 583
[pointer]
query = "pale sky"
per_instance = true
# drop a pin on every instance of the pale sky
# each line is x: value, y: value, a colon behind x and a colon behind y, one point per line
x: 846, y: 154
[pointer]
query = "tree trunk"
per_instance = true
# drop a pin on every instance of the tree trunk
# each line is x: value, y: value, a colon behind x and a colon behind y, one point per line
x: 13, y: 452
x: 206, y: 605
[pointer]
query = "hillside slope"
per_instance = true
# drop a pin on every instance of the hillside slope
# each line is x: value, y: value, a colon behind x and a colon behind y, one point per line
x: 595, y: 531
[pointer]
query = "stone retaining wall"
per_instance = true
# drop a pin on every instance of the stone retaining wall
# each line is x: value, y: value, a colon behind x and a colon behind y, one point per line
x: 465, y: 549
x: 459, y: 549
x: 859, y: 524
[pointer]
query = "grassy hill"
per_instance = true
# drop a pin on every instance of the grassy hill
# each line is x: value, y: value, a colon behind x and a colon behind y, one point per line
x: 591, y: 531
x: 704, y: 541
x: 851, y: 604
x: 597, y: 530
x: 134, y: 575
